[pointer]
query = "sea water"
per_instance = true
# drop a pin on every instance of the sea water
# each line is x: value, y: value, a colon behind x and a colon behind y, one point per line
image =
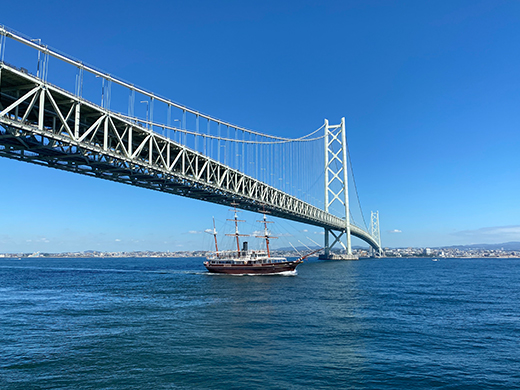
x: 165, y: 323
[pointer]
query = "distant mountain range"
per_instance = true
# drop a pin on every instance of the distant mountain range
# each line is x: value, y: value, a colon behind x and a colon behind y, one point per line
x: 507, y: 246
x: 312, y: 248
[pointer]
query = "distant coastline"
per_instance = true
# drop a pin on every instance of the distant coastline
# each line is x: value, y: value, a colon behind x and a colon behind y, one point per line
x: 505, y: 250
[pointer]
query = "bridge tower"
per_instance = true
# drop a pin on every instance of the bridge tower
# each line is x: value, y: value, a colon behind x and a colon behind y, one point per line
x: 336, y: 186
x: 375, y: 232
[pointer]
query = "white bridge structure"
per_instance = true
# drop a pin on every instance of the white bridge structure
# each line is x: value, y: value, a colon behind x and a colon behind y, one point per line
x: 58, y: 112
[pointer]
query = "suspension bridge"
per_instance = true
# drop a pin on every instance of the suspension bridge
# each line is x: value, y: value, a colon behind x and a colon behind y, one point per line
x: 58, y: 112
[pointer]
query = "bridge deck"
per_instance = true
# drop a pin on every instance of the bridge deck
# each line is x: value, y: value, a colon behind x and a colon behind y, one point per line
x: 46, y: 125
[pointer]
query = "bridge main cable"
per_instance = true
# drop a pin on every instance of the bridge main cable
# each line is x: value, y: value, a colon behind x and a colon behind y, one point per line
x: 81, y: 65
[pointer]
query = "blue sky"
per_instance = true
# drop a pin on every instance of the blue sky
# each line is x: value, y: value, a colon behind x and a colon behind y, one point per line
x: 430, y: 90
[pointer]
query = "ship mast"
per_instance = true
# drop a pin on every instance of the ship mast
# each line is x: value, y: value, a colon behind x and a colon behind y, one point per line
x: 266, y: 235
x: 215, y: 236
x: 236, y: 227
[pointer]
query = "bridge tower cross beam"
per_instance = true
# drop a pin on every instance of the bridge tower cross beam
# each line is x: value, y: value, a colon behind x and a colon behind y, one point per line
x: 336, y: 181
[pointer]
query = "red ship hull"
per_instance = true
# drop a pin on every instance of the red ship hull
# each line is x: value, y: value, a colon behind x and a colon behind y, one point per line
x: 260, y: 269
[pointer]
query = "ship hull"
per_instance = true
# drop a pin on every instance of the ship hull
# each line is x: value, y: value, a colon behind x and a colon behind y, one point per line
x: 257, y: 269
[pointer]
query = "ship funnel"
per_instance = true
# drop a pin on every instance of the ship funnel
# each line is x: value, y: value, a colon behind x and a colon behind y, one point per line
x: 244, y: 246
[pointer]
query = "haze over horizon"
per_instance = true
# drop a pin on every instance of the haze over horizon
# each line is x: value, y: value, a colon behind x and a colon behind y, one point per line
x: 430, y: 92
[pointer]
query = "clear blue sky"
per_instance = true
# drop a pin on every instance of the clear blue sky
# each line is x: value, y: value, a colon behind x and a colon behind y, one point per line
x: 430, y: 90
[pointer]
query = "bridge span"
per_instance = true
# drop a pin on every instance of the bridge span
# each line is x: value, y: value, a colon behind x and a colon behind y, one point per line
x: 44, y: 124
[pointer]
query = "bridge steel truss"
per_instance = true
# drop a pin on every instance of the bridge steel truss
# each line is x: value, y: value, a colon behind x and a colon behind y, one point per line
x: 49, y: 126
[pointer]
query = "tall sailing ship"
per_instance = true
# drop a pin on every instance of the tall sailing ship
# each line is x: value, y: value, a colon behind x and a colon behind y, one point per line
x: 247, y: 261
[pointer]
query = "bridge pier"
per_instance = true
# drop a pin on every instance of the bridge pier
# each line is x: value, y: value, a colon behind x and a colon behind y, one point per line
x: 328, y: 255
x: 326, y: 248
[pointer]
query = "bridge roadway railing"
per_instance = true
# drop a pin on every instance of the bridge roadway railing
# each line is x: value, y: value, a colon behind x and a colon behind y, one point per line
x: 49, y: 126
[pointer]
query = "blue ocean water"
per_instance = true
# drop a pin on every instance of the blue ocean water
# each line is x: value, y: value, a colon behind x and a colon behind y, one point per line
x: 158, y: 323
